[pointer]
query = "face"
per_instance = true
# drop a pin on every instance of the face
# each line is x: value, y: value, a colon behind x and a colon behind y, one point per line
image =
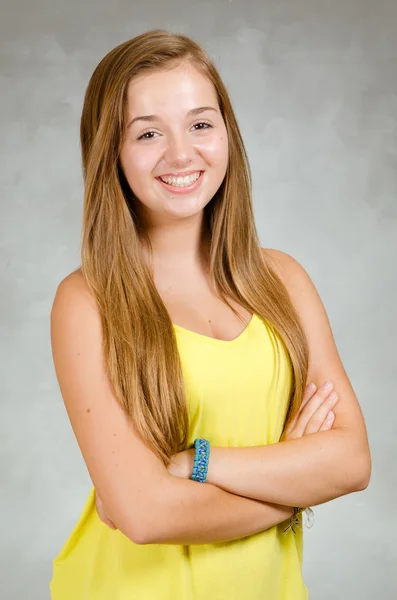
x: 182, y: 135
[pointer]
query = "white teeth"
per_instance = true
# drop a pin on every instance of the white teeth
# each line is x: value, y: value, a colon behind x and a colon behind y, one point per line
x: 181, y: 181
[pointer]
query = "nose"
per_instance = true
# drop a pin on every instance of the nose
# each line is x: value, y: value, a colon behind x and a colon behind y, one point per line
x: 180, y: 151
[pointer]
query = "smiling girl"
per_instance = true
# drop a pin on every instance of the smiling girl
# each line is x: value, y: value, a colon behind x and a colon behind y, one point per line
x: 184, y: 351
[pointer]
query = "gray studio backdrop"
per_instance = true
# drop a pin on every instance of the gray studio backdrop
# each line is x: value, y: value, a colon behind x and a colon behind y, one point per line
x: 314, y: 86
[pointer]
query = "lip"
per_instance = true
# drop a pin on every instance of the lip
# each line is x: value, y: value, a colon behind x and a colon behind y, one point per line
x: 181, y: 173
x: 182, y: 190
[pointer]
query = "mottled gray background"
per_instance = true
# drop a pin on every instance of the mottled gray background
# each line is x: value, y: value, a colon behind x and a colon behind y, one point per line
x: 314, y: 86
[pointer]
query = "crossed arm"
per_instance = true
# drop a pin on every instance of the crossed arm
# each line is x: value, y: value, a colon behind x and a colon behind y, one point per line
x: 282, y: 473
x: 248, y: 489
x: 311, y: 469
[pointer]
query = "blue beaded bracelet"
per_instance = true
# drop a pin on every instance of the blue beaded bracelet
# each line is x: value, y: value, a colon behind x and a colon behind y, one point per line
x: 201, y: 459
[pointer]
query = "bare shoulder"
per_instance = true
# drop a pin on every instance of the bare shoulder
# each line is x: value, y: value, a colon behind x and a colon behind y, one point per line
x: 75, y: 324
x: 285, y: 266
x: 74, y: 320
x: 307, y: 303
x: 295, y: 278
x: 324, y: 362
x: 73, y: 283
x: 73, y: 294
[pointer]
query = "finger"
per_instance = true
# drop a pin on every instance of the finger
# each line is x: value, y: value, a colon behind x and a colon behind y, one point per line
x: 308, y: 393
x: 102, y: 513
x: 328, y: 422
x: 108, y: 522
x: 317, y: 419
x: 312, y: 407
x: 105, y: 519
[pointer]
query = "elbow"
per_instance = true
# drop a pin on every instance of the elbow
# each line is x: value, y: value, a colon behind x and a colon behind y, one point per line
x: 140, y: 538
x: 127, y: 526
x: 354, y: 463
x: 365, y: 477
x: 135, y: 524
x: 143, y: 527
x: 361, y: 473
x: 158, y: 524
x: 148, y: 535
x: 148, y: 525
x: 137, y: 533
x: 133, y: 529
x: 145, y: 539
x: 156, y: 530
x: 140, y: 515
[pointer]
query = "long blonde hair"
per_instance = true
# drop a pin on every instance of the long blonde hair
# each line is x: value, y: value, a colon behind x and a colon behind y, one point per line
x: 139, y: 342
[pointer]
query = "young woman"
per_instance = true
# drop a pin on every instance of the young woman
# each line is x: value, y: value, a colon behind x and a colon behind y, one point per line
x: 179, y: 327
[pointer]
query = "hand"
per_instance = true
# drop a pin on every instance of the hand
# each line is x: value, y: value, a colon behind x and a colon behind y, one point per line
x: 181, y: 464
x: 315, y: 413
x: 101, y: 512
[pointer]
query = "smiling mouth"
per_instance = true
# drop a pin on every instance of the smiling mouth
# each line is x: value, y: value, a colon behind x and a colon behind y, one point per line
x: 180, y: 182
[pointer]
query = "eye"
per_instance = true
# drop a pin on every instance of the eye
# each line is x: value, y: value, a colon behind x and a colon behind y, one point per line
x: 142, y: 137
x: 203, y: 123
x: 148, y: 133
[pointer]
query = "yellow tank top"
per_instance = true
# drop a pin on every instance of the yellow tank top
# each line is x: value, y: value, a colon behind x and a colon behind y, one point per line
x: 233, y: 400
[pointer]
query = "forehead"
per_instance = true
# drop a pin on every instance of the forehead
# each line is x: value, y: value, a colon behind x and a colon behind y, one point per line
x: 180, y: 88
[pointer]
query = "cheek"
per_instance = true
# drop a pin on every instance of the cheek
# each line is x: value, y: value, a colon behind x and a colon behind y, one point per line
x: 137, y: 162
x: 215, y: 149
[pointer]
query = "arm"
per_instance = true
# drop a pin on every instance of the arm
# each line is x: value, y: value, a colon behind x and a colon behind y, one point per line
x: 314, y: 415
x: 144, y: 501
x: 314, y: 468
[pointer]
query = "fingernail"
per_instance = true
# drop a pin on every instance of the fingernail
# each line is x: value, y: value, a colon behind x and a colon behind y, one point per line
x: 327, y: 386
x: 310, y: 387
x: 330, y: 416
x: 333, y: 396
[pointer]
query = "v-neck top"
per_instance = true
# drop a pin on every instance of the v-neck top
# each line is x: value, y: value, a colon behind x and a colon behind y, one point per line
x: 214, y: 341
x: 234, y: 399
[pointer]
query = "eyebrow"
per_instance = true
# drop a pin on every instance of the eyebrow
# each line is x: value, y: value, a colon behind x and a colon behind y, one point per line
x: 193, y: 111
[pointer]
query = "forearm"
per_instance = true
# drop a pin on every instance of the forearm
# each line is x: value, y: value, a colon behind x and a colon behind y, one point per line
x: 302, y: 472
x: 200, y: 513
